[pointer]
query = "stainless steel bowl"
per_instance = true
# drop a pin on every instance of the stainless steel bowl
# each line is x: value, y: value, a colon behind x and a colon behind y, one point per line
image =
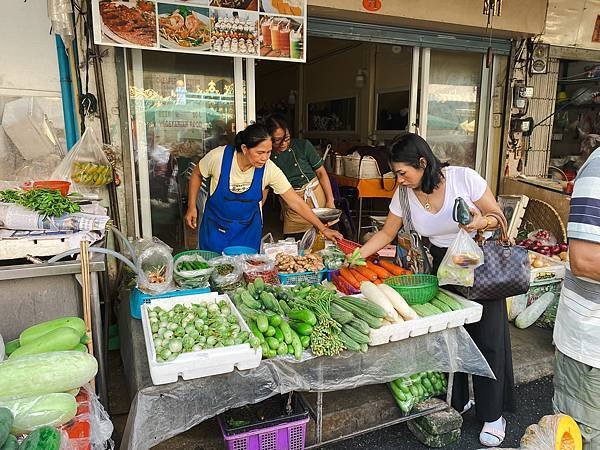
x: 327, y: 214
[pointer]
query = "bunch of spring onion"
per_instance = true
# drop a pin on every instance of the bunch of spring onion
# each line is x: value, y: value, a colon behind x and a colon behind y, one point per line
x: 194, y: 328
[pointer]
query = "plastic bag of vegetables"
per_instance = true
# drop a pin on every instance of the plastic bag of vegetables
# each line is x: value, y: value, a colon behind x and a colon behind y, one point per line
x: 461, y: 260
x: 227, y: 275
x: 85, y: 165
x: 33, y: 412
x: 154, y: 264
x: 191, y: 270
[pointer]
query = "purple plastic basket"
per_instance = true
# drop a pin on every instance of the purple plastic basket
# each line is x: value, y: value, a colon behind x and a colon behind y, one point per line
x: 285, y: 436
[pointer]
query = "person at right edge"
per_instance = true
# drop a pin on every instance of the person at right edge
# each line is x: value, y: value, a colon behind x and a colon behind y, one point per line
x: 577, y: 327
x: 431, y: 189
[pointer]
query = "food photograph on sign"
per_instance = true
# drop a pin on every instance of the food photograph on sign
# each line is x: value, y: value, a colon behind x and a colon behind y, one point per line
x: 128, y: 23
x: 250, y: 5
x: 281, y: 37
x: 288, y: 7
x: 234, y: 32
x: 183, y: 27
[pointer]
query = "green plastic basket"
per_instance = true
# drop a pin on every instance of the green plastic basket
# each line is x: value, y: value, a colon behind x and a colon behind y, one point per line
x: 207, y: 254
x: 415, y: 289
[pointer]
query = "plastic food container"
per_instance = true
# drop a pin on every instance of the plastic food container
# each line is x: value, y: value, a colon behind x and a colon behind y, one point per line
x: 239, y: 250
x: 62, y: 186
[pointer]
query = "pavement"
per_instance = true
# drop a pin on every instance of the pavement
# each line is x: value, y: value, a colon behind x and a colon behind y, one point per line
x: 348, y: 411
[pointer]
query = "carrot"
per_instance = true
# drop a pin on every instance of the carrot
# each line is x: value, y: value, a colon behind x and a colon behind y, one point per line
x: 359, y: 276
x: 392, y: 268
x: 367, y: 273
x: 349, y: 277
x: 380, y: 271
x: 378, y: 281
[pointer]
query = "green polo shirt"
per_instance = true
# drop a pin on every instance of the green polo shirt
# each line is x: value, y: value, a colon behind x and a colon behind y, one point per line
x: 299, y: 162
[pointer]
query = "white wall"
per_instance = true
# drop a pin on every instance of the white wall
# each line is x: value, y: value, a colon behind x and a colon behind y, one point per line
x: 27, y: 49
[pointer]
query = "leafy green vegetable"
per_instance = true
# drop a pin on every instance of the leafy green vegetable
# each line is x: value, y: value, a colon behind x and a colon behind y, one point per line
x: 47, y: 202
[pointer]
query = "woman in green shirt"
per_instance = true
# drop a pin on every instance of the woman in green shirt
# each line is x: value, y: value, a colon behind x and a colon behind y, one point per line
x: 303, y: 167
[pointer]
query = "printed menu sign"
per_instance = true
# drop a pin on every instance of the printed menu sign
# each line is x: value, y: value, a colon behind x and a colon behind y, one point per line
x: 266, y: 29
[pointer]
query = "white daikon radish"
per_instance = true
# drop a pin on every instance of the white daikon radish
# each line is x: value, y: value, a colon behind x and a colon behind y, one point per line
x: 398, y: 302
x: 373, y: 294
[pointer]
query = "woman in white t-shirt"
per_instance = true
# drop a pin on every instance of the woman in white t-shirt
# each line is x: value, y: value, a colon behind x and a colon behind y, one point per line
x: 431, y: 189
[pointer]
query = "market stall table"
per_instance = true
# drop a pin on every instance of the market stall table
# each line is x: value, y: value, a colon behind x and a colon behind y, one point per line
x: 367, y: 188
x: 160, y: 412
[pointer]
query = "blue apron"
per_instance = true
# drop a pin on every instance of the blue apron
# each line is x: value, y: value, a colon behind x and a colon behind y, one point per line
x: 232, y: 219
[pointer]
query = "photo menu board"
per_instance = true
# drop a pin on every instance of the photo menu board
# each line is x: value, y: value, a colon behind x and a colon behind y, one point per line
x: 266, y: 29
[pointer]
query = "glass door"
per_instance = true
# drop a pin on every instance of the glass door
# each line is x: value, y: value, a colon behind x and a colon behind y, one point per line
x: 180, y: 107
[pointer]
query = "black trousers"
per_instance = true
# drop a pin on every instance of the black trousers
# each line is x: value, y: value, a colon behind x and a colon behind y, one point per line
x: 492, y: 337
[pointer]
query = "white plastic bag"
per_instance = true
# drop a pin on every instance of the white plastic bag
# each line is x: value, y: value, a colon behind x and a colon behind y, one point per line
x: 461, y: 260
x: 85, y: 165
x: 154, y: 264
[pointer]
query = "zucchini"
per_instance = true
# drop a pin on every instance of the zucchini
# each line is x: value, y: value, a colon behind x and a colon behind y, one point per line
x: 44, y: 438
x: 372, y: 321
x: 57, y: 340
x: 454, y: 304
x: 349, y: 343
x: 6, y: 423
x: 34, y: 332
x: 46, y: 373
x: 440, y: 305
x: 355, y: 335
x: 340, y: 315
x: 366, y: 305
x: 10, y: 443
x: 11, y: 346
x: 360, y: 325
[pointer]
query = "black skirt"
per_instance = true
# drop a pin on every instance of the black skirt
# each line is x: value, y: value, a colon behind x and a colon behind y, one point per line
x: 492, y: 337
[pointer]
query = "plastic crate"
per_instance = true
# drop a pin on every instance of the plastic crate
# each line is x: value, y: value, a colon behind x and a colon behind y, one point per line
x: 137, y: 298
x: 347, y: 246
x: 275, y: 433
x: 302, y: 277
x: 415, y: 289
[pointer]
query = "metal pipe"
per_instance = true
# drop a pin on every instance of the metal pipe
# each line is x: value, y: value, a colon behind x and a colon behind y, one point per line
x: 67, y: 93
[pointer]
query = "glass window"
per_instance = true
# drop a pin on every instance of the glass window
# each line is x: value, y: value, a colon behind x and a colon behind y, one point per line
x: 453, y: 105
x: 182, y: 106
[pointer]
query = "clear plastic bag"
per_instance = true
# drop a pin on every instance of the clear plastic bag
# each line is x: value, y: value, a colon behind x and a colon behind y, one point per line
x: 461, y: 260
x: 154, y: 263
x: 227, y: 275
x: 262, y: 266
x: 85, y: 165
x: 186, y: 276
x: 40, y: 410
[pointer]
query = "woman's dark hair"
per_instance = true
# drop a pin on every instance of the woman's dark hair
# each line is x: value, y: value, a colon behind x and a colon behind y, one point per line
x: 274, y: 122
x: 409, y: 148
x: 251, y: 136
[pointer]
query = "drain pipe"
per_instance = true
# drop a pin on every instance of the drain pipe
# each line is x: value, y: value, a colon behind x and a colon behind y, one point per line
x: 67, y: 93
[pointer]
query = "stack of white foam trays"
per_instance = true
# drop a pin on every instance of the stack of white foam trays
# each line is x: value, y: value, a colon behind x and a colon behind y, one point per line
x: 202, y: 363
x: 470, y: 313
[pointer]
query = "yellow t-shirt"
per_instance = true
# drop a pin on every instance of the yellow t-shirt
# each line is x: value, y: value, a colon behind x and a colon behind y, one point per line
x: 240, y: 181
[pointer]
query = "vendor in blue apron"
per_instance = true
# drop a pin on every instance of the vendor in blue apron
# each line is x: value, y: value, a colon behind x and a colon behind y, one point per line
x: 239, y: 176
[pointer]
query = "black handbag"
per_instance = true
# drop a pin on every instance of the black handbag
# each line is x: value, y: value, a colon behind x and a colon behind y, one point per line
x: 505, y: 271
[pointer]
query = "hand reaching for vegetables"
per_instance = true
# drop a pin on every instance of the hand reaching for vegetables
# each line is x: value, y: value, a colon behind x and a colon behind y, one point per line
x: 331, y: 235
x: 355, y: 258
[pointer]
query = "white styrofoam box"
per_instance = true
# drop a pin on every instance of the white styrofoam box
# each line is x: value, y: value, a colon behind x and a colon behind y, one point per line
x: 431, y: 324
x: 202, y: 363
x: 555, y: 271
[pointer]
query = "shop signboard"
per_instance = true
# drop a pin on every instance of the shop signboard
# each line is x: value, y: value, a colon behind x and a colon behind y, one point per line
x: 261, y: 29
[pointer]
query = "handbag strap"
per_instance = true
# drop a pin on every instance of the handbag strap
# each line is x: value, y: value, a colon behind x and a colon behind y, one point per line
x: 502, y: 226
x: 405, y: 207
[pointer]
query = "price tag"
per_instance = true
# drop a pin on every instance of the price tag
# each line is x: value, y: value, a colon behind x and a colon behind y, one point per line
x: 372, y: 5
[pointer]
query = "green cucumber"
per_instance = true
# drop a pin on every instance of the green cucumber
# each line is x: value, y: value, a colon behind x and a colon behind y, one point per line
x: 296, y: 345
x: 454, y: 304
x: 279, y: 334
x: 340, y: 315
x: 284, y: 306
x: 34, y: 332
x: 251, y: 289
x: 349, y: 343
x: 275, y: 320
x: 256, y: 332
x: 355, y: 334
x: 249, y: 301
x: 441, y: 305
x: 287, y: 332
x: 282, y: 350
x: 270, y: 331
x: 262, y: 323
x: 272, y: 342
x: 259, y: 285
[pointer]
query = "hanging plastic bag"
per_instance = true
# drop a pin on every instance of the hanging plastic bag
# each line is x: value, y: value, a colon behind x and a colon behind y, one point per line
x: 85, y: 165
x: 154, y: 265
x: 461, y: 260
